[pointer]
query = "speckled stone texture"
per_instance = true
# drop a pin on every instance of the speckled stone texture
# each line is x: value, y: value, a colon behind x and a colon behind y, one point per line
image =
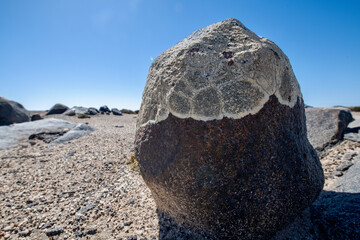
x: 232, y: 178
x: 228, y: 157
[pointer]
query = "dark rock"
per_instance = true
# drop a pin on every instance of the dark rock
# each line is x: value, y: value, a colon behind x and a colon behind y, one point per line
x: 54, y: 231
x: 57, y: 109
x: 128, y: 223
x: 36, y: 117
x: 336, y: 215
x: 221, y: 144
x: 12, y: 112
x: 89, y: 206
x: 91, y: 231
x: 326, y: 126
x: 79, y: 234
x: 116, y: 111
x: 92, y: 111
x: 104, y: 109
x: 134, y: 237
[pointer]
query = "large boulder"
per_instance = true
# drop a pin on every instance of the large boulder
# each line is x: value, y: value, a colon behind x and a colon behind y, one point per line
x: 326, y: 126
x: 221, y: 137
x: 12, y: 112
x: 57, y: 109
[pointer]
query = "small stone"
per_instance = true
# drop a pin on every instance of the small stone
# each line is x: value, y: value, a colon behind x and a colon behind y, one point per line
x: 337, y: 173
x: 91, y: 231
x: 79, y: 234
x: 134, y: 237
x: 87, y: 208
x: 132, y: 201
x: 48, y: 225
x: 68, y: 171
x: 128, y: 223
x: 54, y: 231
x: 344, y: 166
x: 25, y: 233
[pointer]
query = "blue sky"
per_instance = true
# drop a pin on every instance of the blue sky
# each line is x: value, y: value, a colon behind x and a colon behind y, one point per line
x: 91, y: 53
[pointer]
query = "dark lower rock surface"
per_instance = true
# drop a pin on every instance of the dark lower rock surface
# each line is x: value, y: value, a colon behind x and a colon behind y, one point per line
x: 230, y: 178
x: 12, y: 112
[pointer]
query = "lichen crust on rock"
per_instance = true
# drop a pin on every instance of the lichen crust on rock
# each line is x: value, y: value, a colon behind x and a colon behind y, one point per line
x: 222, y: 70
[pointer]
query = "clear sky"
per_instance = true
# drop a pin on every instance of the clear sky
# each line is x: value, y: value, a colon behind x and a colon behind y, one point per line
x: 96, y: 52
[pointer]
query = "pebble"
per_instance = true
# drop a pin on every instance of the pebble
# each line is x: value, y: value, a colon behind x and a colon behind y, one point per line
x: 25, y: 233
x: 344, y: 166
x: 54, y: 231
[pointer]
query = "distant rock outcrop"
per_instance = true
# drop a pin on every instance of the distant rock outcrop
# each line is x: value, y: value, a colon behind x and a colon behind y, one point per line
x: 12, y: 112
x: 221, y: 137
x: 326, y: 126
x: 116, y: 111
x: 104, y: 109
x: 36, y: 117
x: 57, y: 109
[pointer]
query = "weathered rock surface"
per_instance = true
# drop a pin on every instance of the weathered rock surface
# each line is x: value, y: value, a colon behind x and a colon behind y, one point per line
x: 12, y: 112
x: 76, y: 111
x: 221, y: 137
x: 57, y: 109
x: 326, y: 126
x: 11, y: 135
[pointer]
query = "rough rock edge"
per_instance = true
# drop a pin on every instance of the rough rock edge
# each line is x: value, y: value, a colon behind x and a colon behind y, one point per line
x: 202, y: 33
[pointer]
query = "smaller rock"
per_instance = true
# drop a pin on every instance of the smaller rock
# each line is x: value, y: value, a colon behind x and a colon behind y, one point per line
x: 79, y: 234
x: 36, y: 117
x: 337, y: 173
x: 91, y: 231
x: 25, y: 233
x: 131, y: 201
x: 116, y: 111
x: 93, y: 111
x: 87, y: 208
x: 119, y: 126
x: 104, y: 109
x: 128, y: 223
x: 344, y: 166
x: 54, y: 231
x: 134, y: 237
x: 57, y: 109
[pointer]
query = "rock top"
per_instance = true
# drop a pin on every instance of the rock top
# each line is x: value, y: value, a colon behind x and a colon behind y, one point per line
x: 239, y: 72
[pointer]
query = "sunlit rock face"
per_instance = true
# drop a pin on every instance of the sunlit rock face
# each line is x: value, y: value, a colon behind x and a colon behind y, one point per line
x: 221, y: 137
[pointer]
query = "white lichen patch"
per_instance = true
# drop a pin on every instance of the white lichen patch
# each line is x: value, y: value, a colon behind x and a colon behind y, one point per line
x: 222, y: 70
